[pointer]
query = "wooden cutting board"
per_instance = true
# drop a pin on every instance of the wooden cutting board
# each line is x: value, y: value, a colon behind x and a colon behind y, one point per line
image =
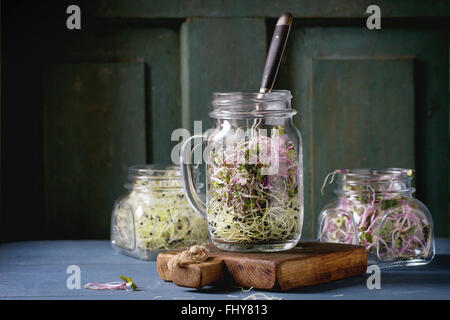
x: 307, y: 264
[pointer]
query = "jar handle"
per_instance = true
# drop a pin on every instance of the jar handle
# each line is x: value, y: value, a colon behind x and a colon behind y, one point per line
x: 188, y: 178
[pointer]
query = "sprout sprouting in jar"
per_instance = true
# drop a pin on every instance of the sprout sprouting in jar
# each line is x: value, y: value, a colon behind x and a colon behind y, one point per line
x: 379, y: 208
x: 156, y: 215
x: 247, y: 202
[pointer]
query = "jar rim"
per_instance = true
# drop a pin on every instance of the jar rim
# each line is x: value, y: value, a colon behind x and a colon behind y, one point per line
x: 160, y: 176
x: 367, y: 175
x: 235, y: 105
x: 379, y: 181
x: 155, y: 171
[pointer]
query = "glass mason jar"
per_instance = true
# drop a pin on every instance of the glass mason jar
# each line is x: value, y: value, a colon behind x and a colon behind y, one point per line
x: 254, y: 173
x: 376, y: 209
x: 154, y: 214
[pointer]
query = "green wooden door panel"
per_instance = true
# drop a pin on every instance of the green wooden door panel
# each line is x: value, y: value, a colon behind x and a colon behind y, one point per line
x: 94, y: 128
x: 158, y: 50
x: 429, y: 48
x: 366, y: 130
x: 219, y: 55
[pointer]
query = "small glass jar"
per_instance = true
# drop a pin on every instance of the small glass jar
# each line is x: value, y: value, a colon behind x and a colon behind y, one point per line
x: 254, y: 173
x: 154, y: 214
x: 376, y: 209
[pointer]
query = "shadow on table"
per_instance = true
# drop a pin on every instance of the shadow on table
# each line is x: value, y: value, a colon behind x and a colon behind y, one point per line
x: 217, y: 289
x: 440, y: 261
x: 434, y: 273
x: 357, y: 281
x: 334, y: 285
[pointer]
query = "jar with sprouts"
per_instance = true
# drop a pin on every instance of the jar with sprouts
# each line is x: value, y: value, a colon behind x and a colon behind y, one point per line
x: 377, y: 209
x: 254, y: 173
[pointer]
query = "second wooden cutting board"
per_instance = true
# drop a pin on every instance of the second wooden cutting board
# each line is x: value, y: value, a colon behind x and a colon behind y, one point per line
x: 307, y: 264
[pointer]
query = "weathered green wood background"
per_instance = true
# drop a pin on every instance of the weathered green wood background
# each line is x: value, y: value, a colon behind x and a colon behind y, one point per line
x: 78, y: 107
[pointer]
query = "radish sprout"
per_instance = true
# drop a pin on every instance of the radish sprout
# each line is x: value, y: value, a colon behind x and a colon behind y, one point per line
x: 389, y: 222
x: 246, y: 204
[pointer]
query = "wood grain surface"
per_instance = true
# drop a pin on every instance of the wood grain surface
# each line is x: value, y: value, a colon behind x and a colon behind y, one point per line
x: 307, y: 264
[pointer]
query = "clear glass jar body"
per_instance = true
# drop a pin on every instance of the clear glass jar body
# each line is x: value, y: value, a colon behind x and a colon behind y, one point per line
x: 254, y: 173
x: 376, y: 209
x: 154, y: 214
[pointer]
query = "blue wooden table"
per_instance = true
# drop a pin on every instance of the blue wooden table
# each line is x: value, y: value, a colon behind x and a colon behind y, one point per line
x: 38, y: 270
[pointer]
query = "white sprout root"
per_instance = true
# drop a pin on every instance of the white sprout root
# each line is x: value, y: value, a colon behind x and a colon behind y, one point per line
x: 261, y: 296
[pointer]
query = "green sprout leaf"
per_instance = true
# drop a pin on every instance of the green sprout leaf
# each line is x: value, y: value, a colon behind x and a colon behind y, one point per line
x: 129, y: 281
